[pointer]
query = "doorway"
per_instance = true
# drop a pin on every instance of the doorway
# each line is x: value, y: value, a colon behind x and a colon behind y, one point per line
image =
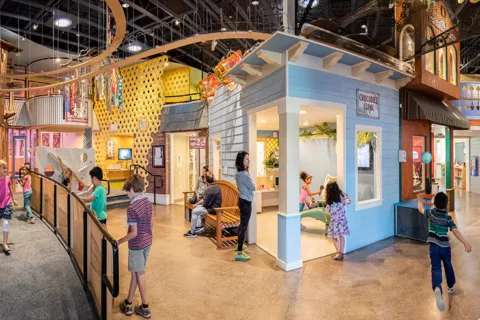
x: 19, y: 153
x: 321, y: 155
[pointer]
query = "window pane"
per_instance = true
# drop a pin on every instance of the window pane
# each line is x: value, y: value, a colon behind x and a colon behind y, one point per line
x: 418, y: 165
x: 366, y: 150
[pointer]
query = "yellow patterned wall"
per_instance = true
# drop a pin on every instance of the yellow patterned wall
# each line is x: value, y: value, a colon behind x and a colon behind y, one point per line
x: 177, y: 82
x: 143, y: 98
x: 271, y: 144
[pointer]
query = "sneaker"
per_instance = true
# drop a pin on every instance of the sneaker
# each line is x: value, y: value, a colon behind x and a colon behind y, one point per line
x: 126, y: 308
x: 439, y: 300
x: 31, y: 221
x: 144, y: 312
x: 189, y: 234
x: 199, y: 230
x: 242, y: 257
x: 244, y: 247
x: 450, y: 290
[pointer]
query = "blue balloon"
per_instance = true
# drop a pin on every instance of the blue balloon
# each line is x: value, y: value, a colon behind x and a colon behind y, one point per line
x: 426, y: 157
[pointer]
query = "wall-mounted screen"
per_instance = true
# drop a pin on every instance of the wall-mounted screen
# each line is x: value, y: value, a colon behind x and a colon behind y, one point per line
x: 124, y: 154
x: 363, y: 156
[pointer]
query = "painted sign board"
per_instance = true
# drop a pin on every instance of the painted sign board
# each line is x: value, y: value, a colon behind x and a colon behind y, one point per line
x: 368, y: 104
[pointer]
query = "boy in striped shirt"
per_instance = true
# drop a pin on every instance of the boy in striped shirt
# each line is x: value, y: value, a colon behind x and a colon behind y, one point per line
x: 139, y: 237
x: 439, y: 222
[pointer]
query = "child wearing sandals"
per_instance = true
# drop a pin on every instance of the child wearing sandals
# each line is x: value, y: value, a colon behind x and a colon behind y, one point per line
x: 336, y: 204
x: 26, y: 183
x: 6, y: 199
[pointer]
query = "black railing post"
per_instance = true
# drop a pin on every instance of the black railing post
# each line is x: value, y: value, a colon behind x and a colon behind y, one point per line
x: 69, y: 223
x: 103, y: 304
x: 85, y: 249
x: 41, y: 199
x: 154, y: 190
x: 55, y: 208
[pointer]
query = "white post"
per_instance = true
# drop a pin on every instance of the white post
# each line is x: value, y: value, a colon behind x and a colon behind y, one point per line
x: 289, y: 245
x: 289, y: 16
x: 252, y: 150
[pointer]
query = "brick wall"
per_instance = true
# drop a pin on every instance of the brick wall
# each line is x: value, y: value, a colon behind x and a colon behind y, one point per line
x: 159, y: 138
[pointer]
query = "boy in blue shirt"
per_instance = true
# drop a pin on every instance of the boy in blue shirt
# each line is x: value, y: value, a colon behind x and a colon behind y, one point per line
x: 439, y: 222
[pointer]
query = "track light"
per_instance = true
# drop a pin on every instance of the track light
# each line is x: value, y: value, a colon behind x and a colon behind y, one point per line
x: 58, y: 59
x: 177, y: 22
x: 35, y: 26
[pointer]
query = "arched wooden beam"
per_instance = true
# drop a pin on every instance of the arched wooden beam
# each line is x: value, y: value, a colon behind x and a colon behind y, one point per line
x: 157, y: 50
x: 121, y: 31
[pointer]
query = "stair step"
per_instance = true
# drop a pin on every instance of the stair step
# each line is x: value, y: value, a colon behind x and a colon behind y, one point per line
x: 118, y: 204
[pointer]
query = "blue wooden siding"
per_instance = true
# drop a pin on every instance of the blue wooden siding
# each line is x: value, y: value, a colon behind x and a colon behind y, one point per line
x: 229, y: 120
x: 370, y: 225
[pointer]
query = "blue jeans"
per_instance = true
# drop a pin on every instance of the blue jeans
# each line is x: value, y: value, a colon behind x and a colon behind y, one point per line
x: 437, y: 255
x: 27, y: 197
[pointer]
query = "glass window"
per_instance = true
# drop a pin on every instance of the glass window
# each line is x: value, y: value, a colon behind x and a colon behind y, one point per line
x: 452, y: 65
x: 418, y: 165
x: 430, y: 57
x: 368, y: 161
x: 442, y: 63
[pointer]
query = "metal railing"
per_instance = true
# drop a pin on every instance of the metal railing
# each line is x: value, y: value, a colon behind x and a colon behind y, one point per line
x: 56, y: 205
x: 135, y: 167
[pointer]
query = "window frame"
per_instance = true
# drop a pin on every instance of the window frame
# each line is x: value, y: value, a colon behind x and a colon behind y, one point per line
x: 377, y: 201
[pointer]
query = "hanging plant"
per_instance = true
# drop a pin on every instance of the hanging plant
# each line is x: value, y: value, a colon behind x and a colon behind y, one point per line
x: 272, y: 161
x: 367, y: 138
x: 321, y: 130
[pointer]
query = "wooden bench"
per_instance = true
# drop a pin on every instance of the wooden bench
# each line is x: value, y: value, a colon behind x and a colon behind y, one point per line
x: 228, y: 216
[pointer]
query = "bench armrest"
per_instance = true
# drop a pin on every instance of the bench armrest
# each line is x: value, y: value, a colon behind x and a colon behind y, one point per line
x: 226, y: 208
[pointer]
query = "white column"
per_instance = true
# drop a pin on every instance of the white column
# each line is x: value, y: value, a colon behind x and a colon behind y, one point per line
x: 289, y: 16
x: 289, y: 249
x: 252, y: 150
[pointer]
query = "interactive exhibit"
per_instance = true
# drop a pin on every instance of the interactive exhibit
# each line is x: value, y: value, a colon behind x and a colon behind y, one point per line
x: 80, y: 161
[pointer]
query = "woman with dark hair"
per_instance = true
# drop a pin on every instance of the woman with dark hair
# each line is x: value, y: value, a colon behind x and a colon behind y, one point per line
x: 337, y: 201
x: 246, y: 189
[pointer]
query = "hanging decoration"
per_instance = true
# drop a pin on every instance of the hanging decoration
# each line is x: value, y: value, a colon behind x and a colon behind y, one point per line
x: 107, y: 89
x: 66, y: 97
x: 119, y: 93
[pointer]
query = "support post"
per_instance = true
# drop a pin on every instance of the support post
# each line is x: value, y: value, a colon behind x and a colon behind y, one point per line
x: 103, y: 304
x: 252, y: 150
x: 69, y: 223
x: 289, y: 250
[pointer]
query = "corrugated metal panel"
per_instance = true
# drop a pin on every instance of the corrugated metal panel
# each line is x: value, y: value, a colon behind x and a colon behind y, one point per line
x: 49, y: 110
x: 21, y: 118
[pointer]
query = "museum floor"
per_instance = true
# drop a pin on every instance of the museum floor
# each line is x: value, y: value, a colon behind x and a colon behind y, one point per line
x: 190, y: 279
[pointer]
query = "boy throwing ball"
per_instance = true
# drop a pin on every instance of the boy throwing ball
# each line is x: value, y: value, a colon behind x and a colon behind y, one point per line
x: 139, y: 237
x: 439, y: 222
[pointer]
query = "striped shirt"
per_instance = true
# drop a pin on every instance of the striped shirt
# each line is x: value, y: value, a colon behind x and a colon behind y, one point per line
x: 139, y: 213
x: 439, y: 222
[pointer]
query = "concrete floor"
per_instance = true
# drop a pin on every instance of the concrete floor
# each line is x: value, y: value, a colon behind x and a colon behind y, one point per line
x: 190, y: 279
x: 314, y: 242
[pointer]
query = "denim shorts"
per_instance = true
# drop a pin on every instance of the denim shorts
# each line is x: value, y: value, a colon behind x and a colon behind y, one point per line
x: 137, y: 259
x: 7, y: 212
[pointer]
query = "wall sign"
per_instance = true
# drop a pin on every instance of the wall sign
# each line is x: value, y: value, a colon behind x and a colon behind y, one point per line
x: 198, y: 142
x: 474, y: 166
x: 158, y: 156
x: 368, y: 104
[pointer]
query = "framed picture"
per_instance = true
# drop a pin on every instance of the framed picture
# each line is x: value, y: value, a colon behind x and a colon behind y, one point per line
x: 111, y: 150
x: 45, y: 139
x: 57, y: 140
x: 158, y: 156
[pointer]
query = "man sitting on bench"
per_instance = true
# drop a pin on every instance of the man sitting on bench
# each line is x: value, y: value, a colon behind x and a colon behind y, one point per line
x: 212, y: 199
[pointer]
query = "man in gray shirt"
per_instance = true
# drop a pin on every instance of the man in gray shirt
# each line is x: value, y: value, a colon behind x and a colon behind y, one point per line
x: 212, y: 199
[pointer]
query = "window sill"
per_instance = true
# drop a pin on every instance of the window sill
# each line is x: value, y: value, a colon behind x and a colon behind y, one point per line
x: 368, y: 204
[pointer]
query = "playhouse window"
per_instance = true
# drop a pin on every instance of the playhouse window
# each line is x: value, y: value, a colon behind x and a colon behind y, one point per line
x: 368, y: 174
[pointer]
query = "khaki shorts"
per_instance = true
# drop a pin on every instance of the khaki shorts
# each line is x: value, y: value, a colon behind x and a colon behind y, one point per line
x: 137, y: 259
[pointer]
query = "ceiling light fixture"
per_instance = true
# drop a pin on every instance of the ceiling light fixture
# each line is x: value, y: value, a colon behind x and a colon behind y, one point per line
x: 223, y: 29
x: 134, y: 47
x: 62, y: 22
x: 255, y: 3
x: 35, y: 26
x: 177, y: 22
x: 263, y: 121
x: 305, y: 123
x: 58, y: 60
x: 125, y: 5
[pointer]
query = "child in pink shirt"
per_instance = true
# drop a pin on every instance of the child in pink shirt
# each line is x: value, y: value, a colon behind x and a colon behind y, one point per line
x: 6, y: 199
x: 26, y: 183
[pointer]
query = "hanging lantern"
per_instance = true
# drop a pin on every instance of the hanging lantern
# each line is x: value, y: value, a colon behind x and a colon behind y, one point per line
x: 225, y: 65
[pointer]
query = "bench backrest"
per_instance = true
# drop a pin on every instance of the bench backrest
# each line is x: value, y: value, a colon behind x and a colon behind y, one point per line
x: 229, y: 194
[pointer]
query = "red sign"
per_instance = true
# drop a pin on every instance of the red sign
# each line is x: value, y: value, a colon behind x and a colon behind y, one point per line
x: 198, y: 142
